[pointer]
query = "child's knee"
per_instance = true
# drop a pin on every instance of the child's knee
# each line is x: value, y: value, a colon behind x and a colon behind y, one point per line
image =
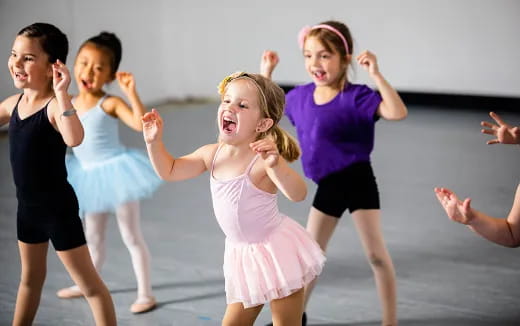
x: 377, y: 261
x: 132, y: 240
x: 91, y: 290
x: 33, y: 279
x: 33, y: 282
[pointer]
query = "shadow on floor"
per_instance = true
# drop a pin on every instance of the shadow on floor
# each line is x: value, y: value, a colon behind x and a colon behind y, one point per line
x: 163, y: 303
x: 165, y: 286
x: 436, y: 322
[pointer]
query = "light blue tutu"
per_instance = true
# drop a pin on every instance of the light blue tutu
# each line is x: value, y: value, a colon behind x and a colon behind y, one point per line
x: 101, y: 187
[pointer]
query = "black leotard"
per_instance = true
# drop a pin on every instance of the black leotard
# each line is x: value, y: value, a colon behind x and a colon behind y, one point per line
x: 47, y: 205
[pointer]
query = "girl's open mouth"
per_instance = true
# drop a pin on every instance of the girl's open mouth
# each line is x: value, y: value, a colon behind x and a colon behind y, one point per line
x: 86, y: 84
x: 20, y: 76
x: 228, y: 125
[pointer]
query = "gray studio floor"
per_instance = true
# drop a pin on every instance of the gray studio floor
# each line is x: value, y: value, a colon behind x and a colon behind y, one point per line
x: 446, y: 274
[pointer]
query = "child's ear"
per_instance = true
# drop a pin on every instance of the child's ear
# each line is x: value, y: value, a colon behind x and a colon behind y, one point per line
x: 348, y: 58
x: 113, y: 77
x: 50, y: 72
x: 264, y: 125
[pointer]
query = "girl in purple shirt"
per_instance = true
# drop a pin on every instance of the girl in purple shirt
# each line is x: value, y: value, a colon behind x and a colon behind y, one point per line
x: 335, y: 120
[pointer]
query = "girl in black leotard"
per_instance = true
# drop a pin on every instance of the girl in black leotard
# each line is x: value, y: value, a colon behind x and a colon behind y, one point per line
x: 42, y: 123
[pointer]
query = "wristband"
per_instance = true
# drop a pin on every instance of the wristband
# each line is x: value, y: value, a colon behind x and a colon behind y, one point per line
x: 69, y: 112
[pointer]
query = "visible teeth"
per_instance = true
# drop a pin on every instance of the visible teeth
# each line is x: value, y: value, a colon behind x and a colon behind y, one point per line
x: 228, y: 120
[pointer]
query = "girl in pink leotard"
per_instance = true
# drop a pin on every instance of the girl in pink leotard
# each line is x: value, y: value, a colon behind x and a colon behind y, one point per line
x: 269, y: 258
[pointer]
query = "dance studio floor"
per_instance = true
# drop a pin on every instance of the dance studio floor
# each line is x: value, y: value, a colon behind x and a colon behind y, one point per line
x: 446, y: 274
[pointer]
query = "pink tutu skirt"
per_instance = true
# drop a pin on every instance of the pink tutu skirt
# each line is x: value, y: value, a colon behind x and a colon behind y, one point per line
x: 257, y: 273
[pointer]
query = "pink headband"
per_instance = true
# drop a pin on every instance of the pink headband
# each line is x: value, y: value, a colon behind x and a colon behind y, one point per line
x: 306, y: 29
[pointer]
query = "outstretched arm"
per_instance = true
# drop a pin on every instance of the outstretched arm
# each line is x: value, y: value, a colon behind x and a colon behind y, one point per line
x: 505, y: 232
x: 166, y: 166
x: 290, y: 183
x: 504, y: 133
x: 66, y: 120
x: 392, y: 107
x: 268, y: 62
x: 130, y: 115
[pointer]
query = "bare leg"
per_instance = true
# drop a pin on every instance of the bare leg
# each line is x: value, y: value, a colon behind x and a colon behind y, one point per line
x: 34, y: 268
x: 128, y: 219
x: 288, y: 311
x: 78, y: 263
x: 321, y: 227
x: 236, y: 315
x: 95, y: 230
x: 369, y: 229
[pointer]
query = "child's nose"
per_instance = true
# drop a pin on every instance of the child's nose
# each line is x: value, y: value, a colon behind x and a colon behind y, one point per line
x: 88, y: 72
x: 232, y: 107
x: 18, y: 62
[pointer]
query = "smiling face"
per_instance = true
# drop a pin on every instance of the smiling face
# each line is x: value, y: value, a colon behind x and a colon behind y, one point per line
x: 325, y: 67
x: 28, y: 64
x: 92, y: 68
x: 239, y: 113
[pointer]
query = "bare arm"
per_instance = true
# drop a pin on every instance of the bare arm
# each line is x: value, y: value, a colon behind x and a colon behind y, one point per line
x: 69, y: 126
x: 132, y: 115
x: 290, y: 183
x: 392, y: 106
x: 503, y: 231
x: 268, y: 62
x: 170, y: 168
x: 165, y: 165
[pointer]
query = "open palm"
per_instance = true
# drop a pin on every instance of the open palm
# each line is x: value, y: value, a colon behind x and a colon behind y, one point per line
x: 504, y: 133
x: 457, y: 210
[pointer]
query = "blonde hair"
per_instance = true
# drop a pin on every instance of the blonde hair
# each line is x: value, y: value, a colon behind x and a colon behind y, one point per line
x: 272, y: 103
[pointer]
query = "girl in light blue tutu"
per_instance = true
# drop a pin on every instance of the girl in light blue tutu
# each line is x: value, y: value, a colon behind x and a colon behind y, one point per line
x: 107, y: 176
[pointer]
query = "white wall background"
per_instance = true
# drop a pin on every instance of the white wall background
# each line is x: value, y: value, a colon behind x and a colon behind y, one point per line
x: 183, y: 48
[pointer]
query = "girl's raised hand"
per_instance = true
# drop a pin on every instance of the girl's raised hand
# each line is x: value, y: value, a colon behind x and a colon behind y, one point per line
x: 368, y: 61
x: 152, y: 126
x: 269, y: 61
x: 126, y: 81
x: 457, y: 210
x: 60, y: 77
x: 504, y: 133
x: 267, y: 150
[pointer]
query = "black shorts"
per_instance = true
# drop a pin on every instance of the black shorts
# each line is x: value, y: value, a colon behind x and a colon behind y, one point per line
x: 39, y: 223
x: 354, y: 188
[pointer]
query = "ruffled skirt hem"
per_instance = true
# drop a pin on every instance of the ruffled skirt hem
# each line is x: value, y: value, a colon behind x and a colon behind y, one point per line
x: 258, y: 273
x: 126, y: 177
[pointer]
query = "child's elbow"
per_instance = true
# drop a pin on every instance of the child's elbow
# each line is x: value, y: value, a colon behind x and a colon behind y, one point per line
x: 300, y: 196
x: 164, y: 177
x: 76, y: 141
x: 395, y: 117
x: 515, y: 243
x: 400, y: 115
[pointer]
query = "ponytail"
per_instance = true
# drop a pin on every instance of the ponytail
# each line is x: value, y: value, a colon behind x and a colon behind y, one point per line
x: 286, y: 144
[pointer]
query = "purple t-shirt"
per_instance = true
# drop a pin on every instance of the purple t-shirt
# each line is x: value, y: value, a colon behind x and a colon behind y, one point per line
x: 336, y: 134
